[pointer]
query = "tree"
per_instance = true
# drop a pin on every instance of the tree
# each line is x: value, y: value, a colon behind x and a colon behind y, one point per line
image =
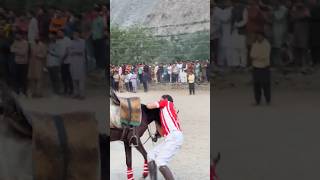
x: 132, y: 45
x: 137, y: 45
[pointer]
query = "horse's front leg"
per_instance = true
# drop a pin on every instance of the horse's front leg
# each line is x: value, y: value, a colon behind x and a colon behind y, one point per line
x: 141, y: 149
x: 128, y: 161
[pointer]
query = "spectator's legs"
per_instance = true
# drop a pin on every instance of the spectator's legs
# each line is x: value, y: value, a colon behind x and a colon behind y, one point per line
x: 134, y: 87
x: 127, y: 86
x: 38, y: 87
x: 21, y: 75
x: 140, y: 78
x: 276, y: 57
x: 76, y: 92
x: 130, y: 87
x: 55, y: 79
x: 243, y: 57
x: 82, y: 86
x: 100, y: 52
x: 67, y: 79
x: 266, y: 85
x: 190, y: 88
x: 257, y: 85
x: 145, y: 86
x: 32, y: 87
x: 64, y: 78
x: 117, y: 86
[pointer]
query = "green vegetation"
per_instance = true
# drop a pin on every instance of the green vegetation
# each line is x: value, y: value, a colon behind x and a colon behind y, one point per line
x: 136, y: 44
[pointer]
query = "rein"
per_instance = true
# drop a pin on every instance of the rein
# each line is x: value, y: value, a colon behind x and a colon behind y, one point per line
x: 154, y: 138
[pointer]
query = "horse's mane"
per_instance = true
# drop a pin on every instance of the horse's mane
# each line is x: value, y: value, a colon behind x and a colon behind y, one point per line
x: 114, y: 97
x: 11, y: 107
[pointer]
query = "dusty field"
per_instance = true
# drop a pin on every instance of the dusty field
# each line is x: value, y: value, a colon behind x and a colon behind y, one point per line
x: 192, y: 162
x: 261, y: 143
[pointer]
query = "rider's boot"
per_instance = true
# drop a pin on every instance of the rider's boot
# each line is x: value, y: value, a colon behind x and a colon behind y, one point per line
x: 152, y: 170
x: 167, y: 174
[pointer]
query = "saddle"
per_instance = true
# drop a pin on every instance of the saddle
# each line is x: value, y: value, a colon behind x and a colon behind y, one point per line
x: 60, y: 143
x: 130, y: 111
x: 65, y: 146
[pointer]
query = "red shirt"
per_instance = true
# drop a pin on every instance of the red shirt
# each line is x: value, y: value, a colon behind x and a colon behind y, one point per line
x: 169, y: 118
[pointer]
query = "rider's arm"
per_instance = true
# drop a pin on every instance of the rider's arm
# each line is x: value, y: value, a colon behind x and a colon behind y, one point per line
x: 153, y: 105
x: 160, y: 104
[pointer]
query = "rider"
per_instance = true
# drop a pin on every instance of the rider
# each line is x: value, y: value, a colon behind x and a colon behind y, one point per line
x: 164, y: 152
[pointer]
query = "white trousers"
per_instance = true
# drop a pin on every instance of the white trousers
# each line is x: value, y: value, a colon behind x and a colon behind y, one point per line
x: 165, y: 151
x: 239, y: 51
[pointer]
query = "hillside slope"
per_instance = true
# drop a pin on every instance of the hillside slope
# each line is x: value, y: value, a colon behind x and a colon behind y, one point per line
x: 164, y: 17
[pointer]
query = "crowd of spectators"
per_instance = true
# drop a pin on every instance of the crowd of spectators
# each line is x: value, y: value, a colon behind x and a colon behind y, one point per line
x: 129, y: 77
x: 53, y: 41
x: 290, y: 26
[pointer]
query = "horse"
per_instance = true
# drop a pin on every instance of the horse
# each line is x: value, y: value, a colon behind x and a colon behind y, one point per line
x: 148, y: 116
x: 17, y: 140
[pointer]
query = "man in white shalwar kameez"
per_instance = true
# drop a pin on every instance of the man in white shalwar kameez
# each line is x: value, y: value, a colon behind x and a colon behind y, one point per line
x: 33, y: 29
x: 223, y: 15
x: 239, y: 21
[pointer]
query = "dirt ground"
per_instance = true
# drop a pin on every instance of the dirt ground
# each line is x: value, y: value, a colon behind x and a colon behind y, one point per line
x: 193, y: 160
x: 276, y: 142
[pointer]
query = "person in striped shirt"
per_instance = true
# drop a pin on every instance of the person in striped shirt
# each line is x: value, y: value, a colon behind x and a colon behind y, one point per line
x: 171, y: 131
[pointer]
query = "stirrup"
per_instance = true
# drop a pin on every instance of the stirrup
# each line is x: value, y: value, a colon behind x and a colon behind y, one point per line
x: 135, y: 143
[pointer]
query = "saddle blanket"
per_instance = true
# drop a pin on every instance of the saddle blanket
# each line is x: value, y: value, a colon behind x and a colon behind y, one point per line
x: 65, y: 146
x: 115, y: 116
x: 130, y: 111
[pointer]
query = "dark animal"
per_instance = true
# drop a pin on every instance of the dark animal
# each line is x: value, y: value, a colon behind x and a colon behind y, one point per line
x: 148, y: 116
x: 45, y: 146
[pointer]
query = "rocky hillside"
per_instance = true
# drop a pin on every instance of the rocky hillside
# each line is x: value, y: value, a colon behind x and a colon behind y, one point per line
x: 164, y: 17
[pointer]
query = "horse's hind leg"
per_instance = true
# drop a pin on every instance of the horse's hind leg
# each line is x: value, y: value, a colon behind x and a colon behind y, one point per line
x: 141, y: 149
x: 128, y: 161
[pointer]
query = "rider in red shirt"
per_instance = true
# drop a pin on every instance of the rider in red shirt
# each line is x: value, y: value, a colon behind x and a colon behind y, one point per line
x: 171, y: 130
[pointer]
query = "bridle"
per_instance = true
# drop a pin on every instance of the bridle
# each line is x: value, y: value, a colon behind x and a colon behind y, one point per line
x: 153, y: 138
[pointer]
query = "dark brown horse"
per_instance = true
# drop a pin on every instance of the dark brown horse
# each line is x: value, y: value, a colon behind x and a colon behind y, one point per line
x: 17, y: 141
x: 148, y: 116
